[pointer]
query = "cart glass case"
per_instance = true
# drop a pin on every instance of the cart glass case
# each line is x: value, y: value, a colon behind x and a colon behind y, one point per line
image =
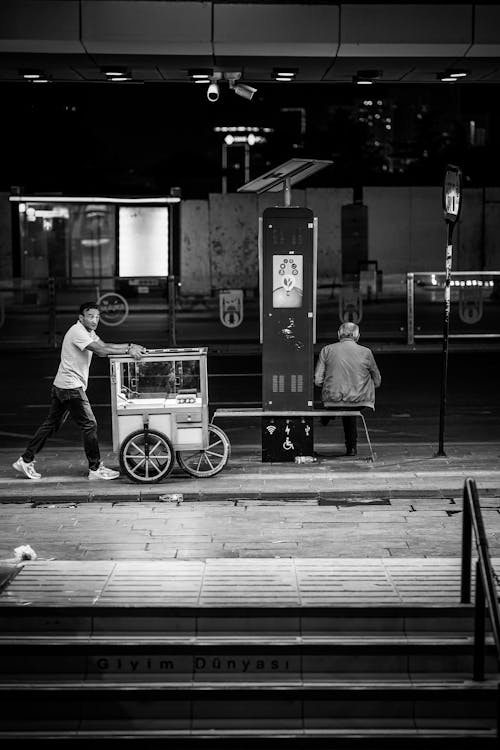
x: 166, y: 390
x: 160, y: 413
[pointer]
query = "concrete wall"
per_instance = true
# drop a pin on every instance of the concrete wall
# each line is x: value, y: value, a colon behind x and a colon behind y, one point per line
x: 195, y: 248
x: 229, y: 230
x: 326, y: 203
x: 406, y: 232
x: 389, y: 221
x: 468, y: 235
x: 233, y: 241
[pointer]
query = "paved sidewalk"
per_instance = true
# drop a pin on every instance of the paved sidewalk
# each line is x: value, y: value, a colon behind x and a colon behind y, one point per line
x: 400, y: 470
x: 346, y: 528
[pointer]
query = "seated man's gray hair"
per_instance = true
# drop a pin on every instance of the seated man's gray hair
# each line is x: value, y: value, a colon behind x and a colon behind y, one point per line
x: 349, y: 331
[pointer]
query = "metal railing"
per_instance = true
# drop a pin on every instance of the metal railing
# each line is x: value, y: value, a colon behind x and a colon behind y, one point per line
x: 485, y: 580
x: 475, y: 280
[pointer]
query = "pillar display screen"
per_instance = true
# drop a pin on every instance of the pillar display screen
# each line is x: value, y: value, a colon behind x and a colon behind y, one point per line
x: 288, y: 280
x: 287, y: 266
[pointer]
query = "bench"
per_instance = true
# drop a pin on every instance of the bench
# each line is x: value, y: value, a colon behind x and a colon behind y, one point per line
x: 253, y: 412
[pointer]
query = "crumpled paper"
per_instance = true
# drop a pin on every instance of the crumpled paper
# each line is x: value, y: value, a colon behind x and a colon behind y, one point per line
x: 172, y: 497
x: 24, y: 552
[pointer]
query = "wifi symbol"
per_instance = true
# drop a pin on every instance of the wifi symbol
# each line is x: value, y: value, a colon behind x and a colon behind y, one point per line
x: 271, y: 428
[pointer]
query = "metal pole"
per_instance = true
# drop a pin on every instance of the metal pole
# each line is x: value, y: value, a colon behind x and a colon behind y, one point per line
x: 51, y: 293
x: 410, y: 308
x: 466, y: 547
x: 479, y: 627
x: 446, y: 331
x: 247, y: 162
x: 224, y: 168
x: 498, y: 711
x: 287, y: 188
x: 171, y: 310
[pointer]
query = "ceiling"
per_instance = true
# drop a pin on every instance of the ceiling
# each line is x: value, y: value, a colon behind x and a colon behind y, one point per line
x: 159, y: 41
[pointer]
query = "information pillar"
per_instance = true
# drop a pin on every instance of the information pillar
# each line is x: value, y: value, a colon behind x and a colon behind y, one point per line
x: 287, y: 267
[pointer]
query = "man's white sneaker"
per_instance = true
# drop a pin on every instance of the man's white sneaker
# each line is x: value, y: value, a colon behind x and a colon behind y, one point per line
x: 28, y: 469
x: 103, y: 473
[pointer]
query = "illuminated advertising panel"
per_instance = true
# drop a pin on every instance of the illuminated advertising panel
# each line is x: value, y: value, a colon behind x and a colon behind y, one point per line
x: 143, y: 241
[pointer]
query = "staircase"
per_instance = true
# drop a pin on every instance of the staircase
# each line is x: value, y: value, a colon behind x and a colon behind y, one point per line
x: 351, y: 676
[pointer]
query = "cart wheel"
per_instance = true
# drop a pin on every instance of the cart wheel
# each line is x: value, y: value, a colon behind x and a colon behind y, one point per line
x: 208, y: 462
x: 147, y: 456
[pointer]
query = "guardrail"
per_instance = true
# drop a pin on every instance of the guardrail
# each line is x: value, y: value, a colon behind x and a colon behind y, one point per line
x: 485, y: 580
x: 472, y: 287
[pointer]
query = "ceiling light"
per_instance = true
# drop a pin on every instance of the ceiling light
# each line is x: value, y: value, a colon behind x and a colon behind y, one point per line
x: 366, y: 77
x: 446, y: 78
x: 40, y: 80
x: 457, y: 73
x: 284, y: 74
x: 201, y: 75
x: 31, y: 75
x: 115, y: 72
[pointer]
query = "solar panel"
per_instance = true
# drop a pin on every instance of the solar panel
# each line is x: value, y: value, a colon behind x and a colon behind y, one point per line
x: 291, y: 171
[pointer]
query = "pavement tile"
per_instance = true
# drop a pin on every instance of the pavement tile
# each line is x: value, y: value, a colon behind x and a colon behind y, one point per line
x: 406, y: 504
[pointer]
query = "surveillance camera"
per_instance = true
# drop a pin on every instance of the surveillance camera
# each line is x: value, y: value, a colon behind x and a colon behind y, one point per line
x: 213, y: 92
x: 242, y: 89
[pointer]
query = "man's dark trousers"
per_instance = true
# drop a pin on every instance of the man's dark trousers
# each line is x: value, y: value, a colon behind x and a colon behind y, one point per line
x: 66, y: 401
x: 348, y: 423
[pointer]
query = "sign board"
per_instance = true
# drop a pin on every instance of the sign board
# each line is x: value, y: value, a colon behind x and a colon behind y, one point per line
x: 452, y: 193
x: 470, y: 304
x: 114, y: 309
x: 231, y: 307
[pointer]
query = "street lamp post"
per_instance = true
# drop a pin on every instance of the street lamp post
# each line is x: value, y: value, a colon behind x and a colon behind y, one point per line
x: 240, y: 136
x: 452, y: 203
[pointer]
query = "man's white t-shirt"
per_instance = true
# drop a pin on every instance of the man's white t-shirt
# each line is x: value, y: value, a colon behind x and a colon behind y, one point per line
x: 75, y: 362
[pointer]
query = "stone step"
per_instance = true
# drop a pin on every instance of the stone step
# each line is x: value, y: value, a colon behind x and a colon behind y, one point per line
x: 358, y: 737
x: 94, y: 705
x: 233, y: 621
x: 263, y: 657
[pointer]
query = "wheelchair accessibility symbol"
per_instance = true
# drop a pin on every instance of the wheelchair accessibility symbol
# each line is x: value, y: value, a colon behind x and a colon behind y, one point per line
x: 231, y: 307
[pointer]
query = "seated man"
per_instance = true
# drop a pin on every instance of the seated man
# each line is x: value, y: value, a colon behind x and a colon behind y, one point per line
x: 348, y: 375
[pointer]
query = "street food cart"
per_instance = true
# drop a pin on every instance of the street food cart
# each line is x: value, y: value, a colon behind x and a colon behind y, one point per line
x: 160, y: 412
